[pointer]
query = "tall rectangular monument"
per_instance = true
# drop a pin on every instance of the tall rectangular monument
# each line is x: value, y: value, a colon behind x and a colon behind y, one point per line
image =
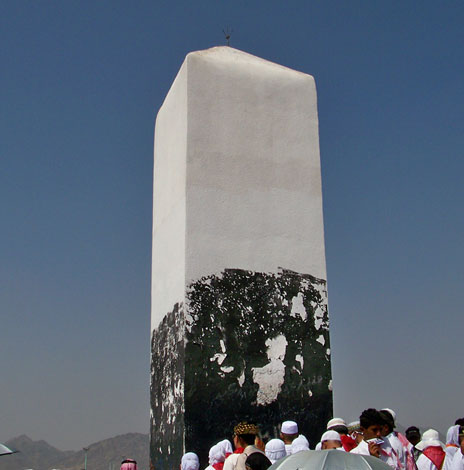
x: 240, y: 326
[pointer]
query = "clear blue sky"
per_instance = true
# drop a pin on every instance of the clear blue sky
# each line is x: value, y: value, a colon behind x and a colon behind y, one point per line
x: 80, y: 85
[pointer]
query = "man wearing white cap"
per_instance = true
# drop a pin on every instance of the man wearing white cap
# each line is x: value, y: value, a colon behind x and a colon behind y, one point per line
x: 288, y: 433
x: 339, y: 425
x: 331, y: 440
x: 433, y: 451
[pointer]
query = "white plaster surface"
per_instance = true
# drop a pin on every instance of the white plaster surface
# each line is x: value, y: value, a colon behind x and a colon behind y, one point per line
x: 237, y: 173
x: 169, y: 224
x: 253, y: 179
x: 270, y: 378
x: 298, y: 307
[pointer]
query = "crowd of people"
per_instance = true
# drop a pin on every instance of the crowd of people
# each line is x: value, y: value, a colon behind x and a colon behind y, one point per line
x: 374, y: 434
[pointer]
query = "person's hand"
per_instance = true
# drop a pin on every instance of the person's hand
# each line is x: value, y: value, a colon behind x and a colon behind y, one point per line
x: 374, y: 449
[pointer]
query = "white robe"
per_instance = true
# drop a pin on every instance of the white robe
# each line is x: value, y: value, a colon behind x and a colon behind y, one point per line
x: 458, y: 461
x: 452, y: 445
x: 398, y: 448
x: 391, y: 459
x: 231, y: 462
x: 424, y: 463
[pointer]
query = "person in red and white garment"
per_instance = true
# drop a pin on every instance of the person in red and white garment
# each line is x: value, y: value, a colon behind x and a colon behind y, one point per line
x: 372, y: 425
x: 339, y: 425
x: 452, y: 445
x: 244, y: 442
x: 331, y: 440
x: 218, y: 454
x: 433, y: 451
x: 403, y: 448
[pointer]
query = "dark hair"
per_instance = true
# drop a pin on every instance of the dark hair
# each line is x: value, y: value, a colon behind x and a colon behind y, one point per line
x: 412, y: 431
x: 248, y: 438
x: 340, y: 429
x: 388, y: 418
x: 258, y: 461
x: 459, y: 421
x: 370, y: 417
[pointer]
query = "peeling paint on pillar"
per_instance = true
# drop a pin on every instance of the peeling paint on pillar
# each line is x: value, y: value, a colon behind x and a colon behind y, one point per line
x: 243, y: 347
x: 167, y: 390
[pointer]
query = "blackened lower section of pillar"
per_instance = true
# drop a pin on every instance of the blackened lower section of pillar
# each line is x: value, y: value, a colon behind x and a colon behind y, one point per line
x: 166, y: 392
x: 258, y: 350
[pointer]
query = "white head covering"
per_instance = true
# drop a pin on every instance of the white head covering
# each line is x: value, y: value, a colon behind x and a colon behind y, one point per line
x: 430, y: 438
x: 275, y: 450
x: 452, y: 436
x: 289, y: 427
x: 393, y: 414
x: 452, y: 444
x: 336, y: 422
x: 331, y: 436
x: 190, y: 461
x: 300, y: 444
x: 218, y: 452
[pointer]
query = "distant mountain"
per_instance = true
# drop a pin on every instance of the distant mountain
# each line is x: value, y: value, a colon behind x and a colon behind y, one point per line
x: 103, y: 455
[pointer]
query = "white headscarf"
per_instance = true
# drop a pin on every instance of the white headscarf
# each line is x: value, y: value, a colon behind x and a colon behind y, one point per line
x: 275, y: 450
x: 452, y: 445
x: 190, y: 461
x: 452, y: 436
x: 300, y: 444
x: 218, y: 452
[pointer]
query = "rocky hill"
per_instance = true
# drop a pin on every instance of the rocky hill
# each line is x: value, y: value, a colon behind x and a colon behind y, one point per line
x: 103, y: 455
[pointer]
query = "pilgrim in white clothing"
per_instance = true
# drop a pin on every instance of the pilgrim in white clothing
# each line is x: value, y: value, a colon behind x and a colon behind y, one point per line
x: 402, y: 447
x: 331, y: 440
x: 275, y: 450
x: 299, y: 444
x: 458, y: 461
x: 218, y: 454
x: 289, y: 430
x: 387, y: 454
x: 190, y: 461
x: 452, y: 445
x: 433, y: 451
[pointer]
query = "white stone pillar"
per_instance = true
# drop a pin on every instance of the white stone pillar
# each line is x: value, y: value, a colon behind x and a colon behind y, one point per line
x: 239, y: 299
